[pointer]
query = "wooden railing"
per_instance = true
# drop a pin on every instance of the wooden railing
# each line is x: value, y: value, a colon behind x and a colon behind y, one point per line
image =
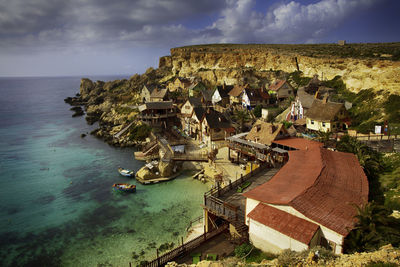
x: 184, y: 248
x: 224, y: 209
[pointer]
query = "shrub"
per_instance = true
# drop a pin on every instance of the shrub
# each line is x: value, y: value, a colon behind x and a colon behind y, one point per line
x: 243, y: 250
x: 381, y: 264
x: 140, y: 132
x: 288, y: 258
x: 257, y: 111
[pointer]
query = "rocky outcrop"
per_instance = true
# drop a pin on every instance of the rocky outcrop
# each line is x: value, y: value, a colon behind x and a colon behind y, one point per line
x: 386, y: 254
x: 227, y: 65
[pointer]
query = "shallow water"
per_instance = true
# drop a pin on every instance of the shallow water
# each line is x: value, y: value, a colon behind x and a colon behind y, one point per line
x: 56, y: 203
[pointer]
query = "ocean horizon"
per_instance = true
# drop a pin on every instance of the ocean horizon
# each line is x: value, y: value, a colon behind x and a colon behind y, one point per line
x: 57, y: 206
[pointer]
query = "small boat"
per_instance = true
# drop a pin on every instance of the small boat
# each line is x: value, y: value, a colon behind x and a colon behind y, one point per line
x: 126, y: 172
x: 129, y: 188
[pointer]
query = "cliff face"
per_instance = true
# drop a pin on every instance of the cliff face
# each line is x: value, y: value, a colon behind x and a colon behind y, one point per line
x: 229, y: 64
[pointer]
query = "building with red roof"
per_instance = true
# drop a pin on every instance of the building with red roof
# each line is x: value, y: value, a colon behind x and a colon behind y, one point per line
x: 281, y: 89
x: 310, y: 201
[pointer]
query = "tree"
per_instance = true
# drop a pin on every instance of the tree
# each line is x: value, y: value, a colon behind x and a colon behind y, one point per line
x: 241, y: 116
x: 374, y: 228
x: 257, y: 111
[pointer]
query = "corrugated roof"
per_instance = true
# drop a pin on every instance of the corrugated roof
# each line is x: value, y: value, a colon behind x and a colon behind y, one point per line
x: 319, y: 183
x: 285, y: 223
x: 298, y: 143
x: 324, y: 111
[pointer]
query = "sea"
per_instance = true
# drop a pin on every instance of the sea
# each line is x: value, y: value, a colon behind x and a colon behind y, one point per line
x: 57, y: 207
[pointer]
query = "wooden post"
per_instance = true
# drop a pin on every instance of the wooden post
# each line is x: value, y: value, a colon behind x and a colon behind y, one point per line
x: 241, y: 178
x: 205, y: 233
x: 230, y: 183
x: 158, y: 259
x: 130, y: 264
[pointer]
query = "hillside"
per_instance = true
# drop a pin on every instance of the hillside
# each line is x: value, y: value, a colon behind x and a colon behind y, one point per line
x: 361, y: 66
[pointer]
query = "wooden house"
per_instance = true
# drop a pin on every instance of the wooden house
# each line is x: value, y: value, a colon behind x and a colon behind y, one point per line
x: 159, y: 94
x: 221, y: 95
x: 187, y: 112
x: 157, y: 114
x: 327, y: 116
x: 309, y: 202
x: 146, y: 92
x: 254, y: 97
x: 179, y: 84
x: 257, y: 143
x: 235, y: 95
x: 195, y: 122
x: 281, y: 89
x: 214, y: 127
x: 195, y: 88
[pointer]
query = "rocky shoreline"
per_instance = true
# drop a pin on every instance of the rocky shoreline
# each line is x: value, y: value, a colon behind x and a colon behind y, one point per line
x: 113, y: 105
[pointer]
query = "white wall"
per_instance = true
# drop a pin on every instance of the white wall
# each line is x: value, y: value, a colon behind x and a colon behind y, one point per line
x: 250, y: 205
x: 318, y: 126
x: 329, y: 234
x: 270, y: 240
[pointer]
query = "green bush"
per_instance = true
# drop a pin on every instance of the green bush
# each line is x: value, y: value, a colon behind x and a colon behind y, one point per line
x: 140, y: 132
x: 257, y: 256
x: 243, y: 250
x: 392, y: 109
x: 257, y: 111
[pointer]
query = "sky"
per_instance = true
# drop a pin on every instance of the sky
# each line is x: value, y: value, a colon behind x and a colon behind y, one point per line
x: 106, y: 37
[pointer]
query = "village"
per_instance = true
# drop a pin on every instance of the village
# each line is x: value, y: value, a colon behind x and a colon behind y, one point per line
x: 276, y: 180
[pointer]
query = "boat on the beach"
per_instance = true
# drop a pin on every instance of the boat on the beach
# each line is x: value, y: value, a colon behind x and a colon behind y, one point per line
x: 126, y: 172
x: 129, y: 188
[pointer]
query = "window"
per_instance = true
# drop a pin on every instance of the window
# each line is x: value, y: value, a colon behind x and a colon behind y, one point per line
x: 323, y: 124
x: 312, y: 121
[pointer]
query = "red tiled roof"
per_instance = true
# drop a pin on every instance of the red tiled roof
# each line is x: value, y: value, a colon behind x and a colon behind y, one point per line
x: 298, y: 143
x: 285, y: 223
x: 276, y: 85
x: 321, y: 184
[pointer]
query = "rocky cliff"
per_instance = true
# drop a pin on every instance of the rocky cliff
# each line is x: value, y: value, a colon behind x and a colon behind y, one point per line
x: 230, y: 63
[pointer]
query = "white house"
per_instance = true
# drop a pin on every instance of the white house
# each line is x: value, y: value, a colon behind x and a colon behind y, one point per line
x: 309, y: 202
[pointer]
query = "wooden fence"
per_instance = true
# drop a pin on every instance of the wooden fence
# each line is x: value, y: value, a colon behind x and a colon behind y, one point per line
x: 184, y: 248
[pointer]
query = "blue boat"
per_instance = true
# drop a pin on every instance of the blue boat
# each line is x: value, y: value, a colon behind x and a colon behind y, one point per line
x: 126, y: 172
x: 129, y: 188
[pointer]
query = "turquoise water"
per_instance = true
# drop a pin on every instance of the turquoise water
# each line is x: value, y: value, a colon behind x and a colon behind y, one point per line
x: 56, y: 203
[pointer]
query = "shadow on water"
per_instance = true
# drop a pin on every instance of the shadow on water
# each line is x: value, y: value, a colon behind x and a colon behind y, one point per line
x: 45, y: 200
x: 46, y: 248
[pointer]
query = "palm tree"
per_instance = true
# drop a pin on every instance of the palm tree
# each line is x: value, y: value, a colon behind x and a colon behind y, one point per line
x: 374, y: 228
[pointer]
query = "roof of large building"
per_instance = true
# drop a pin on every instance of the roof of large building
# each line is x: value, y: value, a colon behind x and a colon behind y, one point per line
x: 321, y: 184
x: 265, y: 132
x: 324, y: 110
x: 286, y: 223
x: 207, y: 94
x: 255, y: 94
x: 298, y: 143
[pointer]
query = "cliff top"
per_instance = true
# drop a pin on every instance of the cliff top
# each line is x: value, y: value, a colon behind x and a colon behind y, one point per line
x: 389, y: 51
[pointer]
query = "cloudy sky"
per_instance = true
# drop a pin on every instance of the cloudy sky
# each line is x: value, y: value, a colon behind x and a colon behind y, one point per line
x: 89, y: 37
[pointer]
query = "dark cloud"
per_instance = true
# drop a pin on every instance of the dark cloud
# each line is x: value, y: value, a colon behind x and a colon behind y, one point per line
x: 70, y: 31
